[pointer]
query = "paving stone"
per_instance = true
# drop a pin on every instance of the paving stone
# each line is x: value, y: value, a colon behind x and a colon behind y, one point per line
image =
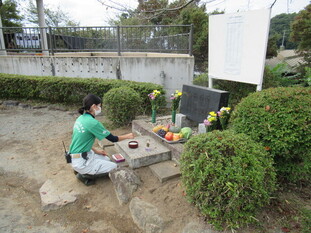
x: 54, y: 196
x: 165, y: 170
x: 10, y: 103
x: 20, y: 105
x: 142, y: 156
x: 39, y: 106
x: 57, y: 107
x: 146, y: 216
x: 198, y: 227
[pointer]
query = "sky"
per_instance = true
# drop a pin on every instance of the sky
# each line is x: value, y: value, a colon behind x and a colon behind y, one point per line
x: 93, y: 13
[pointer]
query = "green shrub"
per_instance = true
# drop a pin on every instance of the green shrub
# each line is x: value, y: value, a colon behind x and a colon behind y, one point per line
x: 284, y: 76
x: 201, y: 80
x: 280, y: 119
x: 239, y: 90
x: 307, y: 77
x: 68, y: 90
x: 121, y: 105
x: 228, y: 176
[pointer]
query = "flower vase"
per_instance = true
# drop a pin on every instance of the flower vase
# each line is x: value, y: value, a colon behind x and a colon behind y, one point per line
x: 174, y: 116
x: 223, y: 122
x: 210, y: 128
x: 153, y: 116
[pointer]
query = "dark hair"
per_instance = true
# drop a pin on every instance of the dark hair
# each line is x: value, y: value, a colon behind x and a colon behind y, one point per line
x: 88, y: 101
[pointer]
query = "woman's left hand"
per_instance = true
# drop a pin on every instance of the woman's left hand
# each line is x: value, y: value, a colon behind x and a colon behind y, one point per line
x: 101, y: 152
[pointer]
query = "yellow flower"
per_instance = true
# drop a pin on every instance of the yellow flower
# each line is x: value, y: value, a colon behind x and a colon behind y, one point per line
x: 179, y: 93
x: 212, y: 119
x: 156, y: 93
x: 213, y: 114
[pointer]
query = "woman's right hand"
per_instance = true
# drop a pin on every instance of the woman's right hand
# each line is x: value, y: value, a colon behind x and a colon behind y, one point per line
x: 126, y: 136
x: 130, y: 136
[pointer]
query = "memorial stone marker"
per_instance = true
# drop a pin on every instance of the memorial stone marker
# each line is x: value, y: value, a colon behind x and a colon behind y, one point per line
x: 197, y: 101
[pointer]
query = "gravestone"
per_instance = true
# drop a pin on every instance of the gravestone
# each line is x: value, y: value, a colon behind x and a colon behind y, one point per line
x: 197, y: 101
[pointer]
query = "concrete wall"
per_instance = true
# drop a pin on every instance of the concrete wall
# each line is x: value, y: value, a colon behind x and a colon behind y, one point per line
x: 169, y: 70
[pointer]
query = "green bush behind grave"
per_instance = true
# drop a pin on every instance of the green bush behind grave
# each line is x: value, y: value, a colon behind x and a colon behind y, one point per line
x: 280, y: 119
x: 237, y: 90
x: 121, y: 105
x: 68, y: 90
x: 228, y: 176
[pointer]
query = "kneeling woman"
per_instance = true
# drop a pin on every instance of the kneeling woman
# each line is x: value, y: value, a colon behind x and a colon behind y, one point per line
x: 86, y: 160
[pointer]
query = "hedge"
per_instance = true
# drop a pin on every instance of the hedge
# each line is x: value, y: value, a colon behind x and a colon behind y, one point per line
x: 67, y: 90
x: 228, y: 176
x: 121, y: 105
x: 280, y: 119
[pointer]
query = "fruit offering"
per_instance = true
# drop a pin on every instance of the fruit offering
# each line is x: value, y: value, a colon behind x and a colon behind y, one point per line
x: 186, y: 132
x: 169, y: 136
x: 161, y: 133
x: 172, y: 132
x: 174, y: 129
x: 165, y: 129
x: 176, y: 136
x: 157, y: 128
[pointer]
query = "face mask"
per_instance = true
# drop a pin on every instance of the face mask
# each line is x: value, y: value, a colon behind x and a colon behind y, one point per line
x: 98, y: 111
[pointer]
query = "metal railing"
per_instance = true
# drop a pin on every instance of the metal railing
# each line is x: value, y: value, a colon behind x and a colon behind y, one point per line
x: 142, y: 38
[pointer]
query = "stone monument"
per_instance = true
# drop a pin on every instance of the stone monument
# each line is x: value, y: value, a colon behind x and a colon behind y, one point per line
x: 197, y: 101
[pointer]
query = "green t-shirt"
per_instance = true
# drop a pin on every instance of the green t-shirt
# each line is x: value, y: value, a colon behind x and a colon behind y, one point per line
x: 85, y: 130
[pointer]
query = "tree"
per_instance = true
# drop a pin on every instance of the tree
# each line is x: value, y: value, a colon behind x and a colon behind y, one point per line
x: 10, y: 14
x: 279, y: 27
x: 197, y: 16
x: 272, y: 49
x: 152, y: 10
x: 301, y: 33
x: 53, y: 18
x: 183, y: 12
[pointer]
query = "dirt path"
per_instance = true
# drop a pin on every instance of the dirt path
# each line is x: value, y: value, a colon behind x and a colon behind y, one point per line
x: 32, y: 152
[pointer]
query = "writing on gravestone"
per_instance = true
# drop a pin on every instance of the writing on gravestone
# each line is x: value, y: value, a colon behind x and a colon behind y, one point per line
x: 197, y: 101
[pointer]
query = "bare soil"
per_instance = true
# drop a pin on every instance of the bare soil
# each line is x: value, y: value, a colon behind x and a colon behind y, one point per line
x: 32, y: 152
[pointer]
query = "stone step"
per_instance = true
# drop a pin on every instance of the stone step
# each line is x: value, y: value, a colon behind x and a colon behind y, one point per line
x: 142, y: 156
x: 165, y: 171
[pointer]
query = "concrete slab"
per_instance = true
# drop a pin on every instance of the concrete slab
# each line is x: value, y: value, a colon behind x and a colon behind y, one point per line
x: 110, y: 148
x: 165, y: 170
x: 104, y: 143
x: 141, y: 127
x: 141, y: 156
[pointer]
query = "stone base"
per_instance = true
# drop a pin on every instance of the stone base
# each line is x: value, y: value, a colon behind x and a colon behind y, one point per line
x: 183, y: 121
x: 142, y: 156
x: 165, y: 170
x: 201, y: 128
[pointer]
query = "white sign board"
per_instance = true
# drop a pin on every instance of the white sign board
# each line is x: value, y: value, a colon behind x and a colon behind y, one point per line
x: 237, y: 46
